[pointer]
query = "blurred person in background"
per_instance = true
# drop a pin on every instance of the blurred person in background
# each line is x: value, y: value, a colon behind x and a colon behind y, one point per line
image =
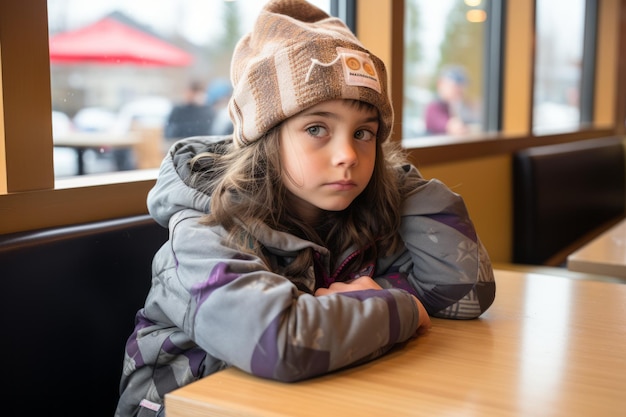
x: 451, y: 113
x: 217, y: 97
x: 193, y: 117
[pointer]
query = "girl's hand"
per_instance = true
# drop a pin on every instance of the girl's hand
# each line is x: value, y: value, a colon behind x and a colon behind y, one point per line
x: 358, y: 284
x: 367, y: 283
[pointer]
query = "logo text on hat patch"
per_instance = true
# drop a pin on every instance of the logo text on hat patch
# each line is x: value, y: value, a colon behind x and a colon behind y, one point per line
x: 358, y: 69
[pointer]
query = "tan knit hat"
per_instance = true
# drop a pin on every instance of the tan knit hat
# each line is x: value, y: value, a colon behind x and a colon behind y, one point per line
x: 296, y: 57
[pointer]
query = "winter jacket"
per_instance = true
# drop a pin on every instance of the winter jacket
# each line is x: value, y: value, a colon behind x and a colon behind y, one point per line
x: 211, y: 307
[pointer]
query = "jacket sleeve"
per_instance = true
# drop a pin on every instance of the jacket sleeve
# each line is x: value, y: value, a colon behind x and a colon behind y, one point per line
x: 237, y: 310
x: 443, y: 260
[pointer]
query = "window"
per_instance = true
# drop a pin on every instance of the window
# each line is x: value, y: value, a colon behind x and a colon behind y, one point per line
x: 119, y: 68
x: 451, y: 67
x: 31, y: 197
x: 560, y: 58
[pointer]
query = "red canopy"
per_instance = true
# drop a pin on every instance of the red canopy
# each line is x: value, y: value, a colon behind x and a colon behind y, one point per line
x: 109, y: 41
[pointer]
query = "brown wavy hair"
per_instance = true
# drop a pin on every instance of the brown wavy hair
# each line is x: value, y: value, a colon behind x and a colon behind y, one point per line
x: 247, y: 189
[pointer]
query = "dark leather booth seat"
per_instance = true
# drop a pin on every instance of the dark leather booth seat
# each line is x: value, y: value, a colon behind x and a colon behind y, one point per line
x: 564, y: 195
x: 69, y: 297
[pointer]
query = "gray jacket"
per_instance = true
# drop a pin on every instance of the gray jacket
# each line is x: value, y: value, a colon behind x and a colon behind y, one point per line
x: 211, y: 307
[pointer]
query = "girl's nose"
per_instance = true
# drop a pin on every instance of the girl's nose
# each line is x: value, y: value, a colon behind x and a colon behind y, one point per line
x: 344, y: 152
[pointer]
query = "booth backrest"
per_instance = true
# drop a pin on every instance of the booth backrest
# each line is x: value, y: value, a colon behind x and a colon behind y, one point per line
x: 564, y: 195
x: 69, y: 298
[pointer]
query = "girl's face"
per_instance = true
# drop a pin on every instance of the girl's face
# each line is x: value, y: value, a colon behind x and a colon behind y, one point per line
x: 328, y: 153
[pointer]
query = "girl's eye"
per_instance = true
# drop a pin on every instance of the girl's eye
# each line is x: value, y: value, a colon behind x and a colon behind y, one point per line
x: 316, y: 131
x: 364, y: 135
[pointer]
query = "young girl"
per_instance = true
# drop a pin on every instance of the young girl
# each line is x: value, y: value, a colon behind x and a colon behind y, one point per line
x: 303, y: 243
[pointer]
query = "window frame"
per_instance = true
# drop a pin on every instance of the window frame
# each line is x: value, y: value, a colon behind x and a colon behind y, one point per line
x: 493, y: 64
x: 589, y: 62
x: 346, y: 11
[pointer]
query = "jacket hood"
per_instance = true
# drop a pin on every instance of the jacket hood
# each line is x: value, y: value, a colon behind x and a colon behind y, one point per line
x: 171, y: 192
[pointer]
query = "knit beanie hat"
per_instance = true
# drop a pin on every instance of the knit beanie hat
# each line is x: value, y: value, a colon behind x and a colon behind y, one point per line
x: 298, y: 56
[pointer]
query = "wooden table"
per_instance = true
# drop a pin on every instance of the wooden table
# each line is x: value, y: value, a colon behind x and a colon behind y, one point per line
x: 548, y: 346
x: 605, y: 255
